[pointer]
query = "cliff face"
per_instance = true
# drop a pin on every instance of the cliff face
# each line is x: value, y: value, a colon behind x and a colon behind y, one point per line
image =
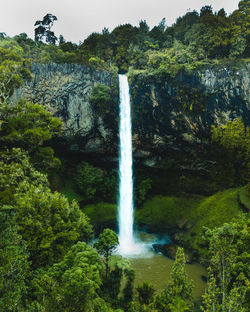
x: 173, y: 115
x: 65, y: 90
x: 170, y: 115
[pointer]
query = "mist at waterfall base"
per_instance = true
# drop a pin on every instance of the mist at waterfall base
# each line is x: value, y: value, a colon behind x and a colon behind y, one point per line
x: 130, y: 244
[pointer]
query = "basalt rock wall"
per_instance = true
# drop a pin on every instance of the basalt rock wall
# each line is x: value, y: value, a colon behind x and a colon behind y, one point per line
x: 65, y: 91
x: 171, y: 115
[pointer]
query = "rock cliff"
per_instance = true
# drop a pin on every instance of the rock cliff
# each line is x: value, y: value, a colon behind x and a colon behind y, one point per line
x: 65, y: 90
x: 173, y: 115
x: 170, y: 114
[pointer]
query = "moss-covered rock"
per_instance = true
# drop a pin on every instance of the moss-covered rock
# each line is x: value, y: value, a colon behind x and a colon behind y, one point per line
x: 167, y: 214
x: 162, y: 213
x: 244, y: 198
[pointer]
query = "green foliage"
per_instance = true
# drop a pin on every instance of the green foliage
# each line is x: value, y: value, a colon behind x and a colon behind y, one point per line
x: 232, y: 136
x: 88, y: 179
x: 128, y: 290
x: 173, y: 60
x: 44, y: 159
x: 213, y: 212
x: 111, y: 286
x: 46, y: 220
x: 244, y: 197
x: 95, y: 183
x: 145, y: 293
x: 13, y: 70
x: 14, y: 265
x: 16, y: 175
x: 109, y: 187
x: 72, y: 284
x: 177, y: 296
x: 141, y: 190
x: 39, y: 225
x: 196, y: 37
x: 101, y: 214
x: 96, y: 62
x: 43, y: 29
x: 49, y: 224
x: 28, y: 125
x: 106, y: 244
x: 229, y: 256
x: 136, y: 307
x: 163, y: 212
x: 233, y: 140
x: 101, y: 98
x: 69, y: 191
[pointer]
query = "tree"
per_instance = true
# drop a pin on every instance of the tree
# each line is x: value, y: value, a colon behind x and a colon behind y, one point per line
x: 125, y: 35
x: 71, y: 285
x: 142, y: 189
x: 183, y: 26
x: 143, y: 27
x: 206, y: 10
x: 43, y: 29
x: 229, y: 256
x: 88, y: 179
x: 14, y: 265
x: 13, y: 71
x: 106, y: 244
x: 49, y: 224
x: 240, y: 33
x: 28, y: 125
x: 145, y: 293
x: 233, y: 140
x: 101, y: 98
x: 3, y: 35
x: 16, y: 175
x: 128, y: 290
x: 214, y: 33
x: 46, y: 220
x: 177, y: 296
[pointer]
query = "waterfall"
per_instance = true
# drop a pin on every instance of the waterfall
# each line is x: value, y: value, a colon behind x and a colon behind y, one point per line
x: 126, y: 204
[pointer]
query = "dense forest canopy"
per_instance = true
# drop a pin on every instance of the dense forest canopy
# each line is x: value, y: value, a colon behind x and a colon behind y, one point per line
x: 46, y: 260
x: 195, y: 37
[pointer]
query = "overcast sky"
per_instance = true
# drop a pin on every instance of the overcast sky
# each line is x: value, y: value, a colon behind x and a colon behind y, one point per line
x: 79, y: 18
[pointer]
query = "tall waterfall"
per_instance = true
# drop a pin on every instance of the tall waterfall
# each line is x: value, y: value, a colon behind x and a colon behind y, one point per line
x: 126, y: 205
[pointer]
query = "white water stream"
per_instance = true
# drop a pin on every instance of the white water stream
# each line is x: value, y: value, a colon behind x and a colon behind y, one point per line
x: 126, y: 205
x: 127, y: 246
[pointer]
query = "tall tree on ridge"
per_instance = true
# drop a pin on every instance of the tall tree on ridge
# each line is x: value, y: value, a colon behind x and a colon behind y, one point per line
x: 43, y: 29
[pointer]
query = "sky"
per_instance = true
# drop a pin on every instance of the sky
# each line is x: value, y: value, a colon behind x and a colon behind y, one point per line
x: 79, y: 18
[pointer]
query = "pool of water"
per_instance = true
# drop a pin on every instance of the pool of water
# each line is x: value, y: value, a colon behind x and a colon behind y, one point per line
x: 155, y: 268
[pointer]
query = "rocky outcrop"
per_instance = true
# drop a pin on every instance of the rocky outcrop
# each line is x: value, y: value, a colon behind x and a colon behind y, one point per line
x: 170, y: 250
x: 65, y: 90
x: 229, y: 89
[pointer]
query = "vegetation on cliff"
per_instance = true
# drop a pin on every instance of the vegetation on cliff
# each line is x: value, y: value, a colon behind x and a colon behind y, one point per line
x: 195, y: 39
